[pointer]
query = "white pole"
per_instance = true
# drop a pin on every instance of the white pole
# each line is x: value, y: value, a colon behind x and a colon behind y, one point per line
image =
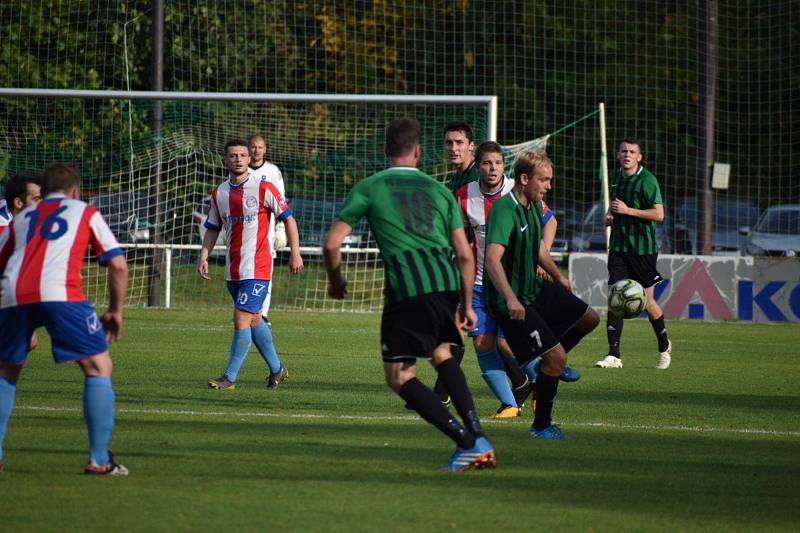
x: 168, y: 281
x: 247, y: 97
x: 492, y: 119
x: 604, y: 166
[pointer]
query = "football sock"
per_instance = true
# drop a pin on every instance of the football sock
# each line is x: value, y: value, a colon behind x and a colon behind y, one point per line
x: 661, y: 333
x: 240, y: 345
x: 453, y: 377
x: 262, y: 338
x: 546, y: 388
x: 494, y: 374
x: 422, y: 400
x: 457, y: 353
x: 7, y: 393
x: 614, y: 333
x: 521, y: 393
x: 515, y: 373
x: 98, y: 412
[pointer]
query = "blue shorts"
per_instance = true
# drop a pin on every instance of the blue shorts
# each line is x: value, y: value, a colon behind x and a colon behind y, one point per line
x: 74, y: 328
x: 249, y: 294
x: 486, y: 324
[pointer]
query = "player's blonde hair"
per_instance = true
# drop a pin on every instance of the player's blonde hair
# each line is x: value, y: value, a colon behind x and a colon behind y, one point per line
x: 529, y: 160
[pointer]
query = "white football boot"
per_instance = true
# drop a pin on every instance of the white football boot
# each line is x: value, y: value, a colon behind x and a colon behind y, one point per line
x: 664, y: 358
x: 609, y: 361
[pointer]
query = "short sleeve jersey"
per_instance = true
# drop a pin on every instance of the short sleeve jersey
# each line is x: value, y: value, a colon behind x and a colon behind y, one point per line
x: 272, y: 174
x: 43, y: 251
x: 460, y: 179
x: 245, y: 209
x: 475, y: 206
x: 412, y: 216
x: 519, y: 230
x: 631, y: 234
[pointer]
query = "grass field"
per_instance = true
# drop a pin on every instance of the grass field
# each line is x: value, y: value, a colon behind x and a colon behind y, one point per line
x: 712, y: 444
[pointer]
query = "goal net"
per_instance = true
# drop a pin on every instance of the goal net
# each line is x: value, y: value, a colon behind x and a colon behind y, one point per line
x: 157, y: 192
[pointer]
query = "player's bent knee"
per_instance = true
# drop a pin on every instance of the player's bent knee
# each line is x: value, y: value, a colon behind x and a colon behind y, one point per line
x: 99, y: 365
x: 483, y: 343
x: 554, y: 362
x: 590, y: 320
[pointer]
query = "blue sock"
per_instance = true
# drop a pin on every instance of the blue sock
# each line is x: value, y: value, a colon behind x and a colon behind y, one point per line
x: 262, y: 338
x: 494, y: 373
x: 240, y: 345
x: 531, y: 368
x: 8, y: 391
x: 98, y: 412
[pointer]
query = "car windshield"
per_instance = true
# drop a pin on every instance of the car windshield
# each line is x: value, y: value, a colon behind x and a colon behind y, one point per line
x: 121, y: 206
x: 728, y: 214
x: 781, y: 221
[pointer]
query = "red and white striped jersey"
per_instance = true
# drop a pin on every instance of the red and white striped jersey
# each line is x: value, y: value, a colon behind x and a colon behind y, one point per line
x: 475, y: 206
x: 245, y: 210
x: 271, y: 173
x: 5, y: 216
x: 43, y: 251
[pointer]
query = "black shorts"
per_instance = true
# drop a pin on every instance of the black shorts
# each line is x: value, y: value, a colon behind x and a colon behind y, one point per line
x: 413, y: 328
x: 547, y: 320
x: 641, y: 268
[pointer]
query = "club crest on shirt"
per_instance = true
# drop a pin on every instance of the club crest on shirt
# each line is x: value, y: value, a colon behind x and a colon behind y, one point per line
x: 251, y: 202
x: 93, y: 324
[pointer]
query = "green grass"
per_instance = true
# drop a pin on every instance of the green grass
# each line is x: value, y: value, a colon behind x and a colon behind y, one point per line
x: 712, y: 444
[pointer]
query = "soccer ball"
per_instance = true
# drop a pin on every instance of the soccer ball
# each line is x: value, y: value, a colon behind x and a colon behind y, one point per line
x: 626, y: 298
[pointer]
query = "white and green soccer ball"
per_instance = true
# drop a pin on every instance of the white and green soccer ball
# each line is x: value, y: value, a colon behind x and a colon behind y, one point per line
x: 626, y: 298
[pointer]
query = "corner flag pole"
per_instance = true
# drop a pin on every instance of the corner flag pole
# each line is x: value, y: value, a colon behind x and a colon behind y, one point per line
x: 604, y: 165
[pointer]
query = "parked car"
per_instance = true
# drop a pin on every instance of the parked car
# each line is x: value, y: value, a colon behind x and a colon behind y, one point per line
x: 777, y: 232
x: 570, y: 221
x: 314, y: 217
x: 728, y: 216
x: 592, y: 237
x: 127, y: 214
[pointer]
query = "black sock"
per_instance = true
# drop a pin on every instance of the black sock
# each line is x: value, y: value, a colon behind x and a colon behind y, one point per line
x: 546, y: 388
x: 661, y: 333
x: 422, y: 400
x: 522, y: 392
x: 453, y: 377
x: 614, y: 332
x: 457, y: 352
x: 515, y: 373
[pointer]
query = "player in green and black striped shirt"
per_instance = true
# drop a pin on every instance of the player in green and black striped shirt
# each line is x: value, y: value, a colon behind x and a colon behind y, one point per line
x: 636, y: 206
x: 459, y: 147
x: 418, y: 227
x: 538, y: 317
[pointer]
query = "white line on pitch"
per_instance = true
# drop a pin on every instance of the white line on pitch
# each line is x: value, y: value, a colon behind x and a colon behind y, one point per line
x: 608, y: 425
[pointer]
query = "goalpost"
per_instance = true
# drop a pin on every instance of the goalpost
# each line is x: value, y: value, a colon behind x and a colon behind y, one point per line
x: 323, y: 143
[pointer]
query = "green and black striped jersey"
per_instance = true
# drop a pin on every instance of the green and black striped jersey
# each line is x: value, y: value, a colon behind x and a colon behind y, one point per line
x: 459, y: 179
x: 519, y: 229
x: 631, y: 234
x: 412, y: 216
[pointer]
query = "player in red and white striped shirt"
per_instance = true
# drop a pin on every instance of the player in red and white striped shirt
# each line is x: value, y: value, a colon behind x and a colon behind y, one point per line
x: 244, y: 205
x: 41, y: 256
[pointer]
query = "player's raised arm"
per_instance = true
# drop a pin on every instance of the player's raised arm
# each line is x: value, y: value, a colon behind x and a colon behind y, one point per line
x: 331, y: 250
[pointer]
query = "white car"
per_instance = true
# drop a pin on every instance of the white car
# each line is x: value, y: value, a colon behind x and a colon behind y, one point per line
x: 777, y: 232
